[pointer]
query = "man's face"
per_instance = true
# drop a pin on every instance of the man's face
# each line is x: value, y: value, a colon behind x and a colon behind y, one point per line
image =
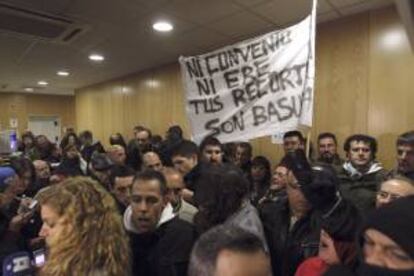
x: 379, y: 250
x: 327, y: 149
x: 213, y: 154
x: 233, y: 263
x: 42, y: 169
x: 242, y: 156
x: 122, y: 189
x: 393, y: 189
x: 279, y: 178
x: 292, y: 143
x: 152, y: 161
x: 147, y: 204
x: 405, y: 158
x: 118, y: 156
x: 142, y: 138
x: 175, y: 186
x: 184, y: 164
x: 359, y: 154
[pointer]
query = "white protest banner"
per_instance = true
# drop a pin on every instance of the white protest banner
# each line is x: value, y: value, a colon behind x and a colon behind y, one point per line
x: 254, y: 88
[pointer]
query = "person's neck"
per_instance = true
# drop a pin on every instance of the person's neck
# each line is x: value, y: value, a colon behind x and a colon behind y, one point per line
x: 364, y: 168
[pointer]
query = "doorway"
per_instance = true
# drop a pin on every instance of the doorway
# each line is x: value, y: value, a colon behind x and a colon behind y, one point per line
x: 46, y: 125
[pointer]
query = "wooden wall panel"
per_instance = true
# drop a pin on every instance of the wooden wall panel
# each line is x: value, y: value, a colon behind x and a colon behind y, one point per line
x: 360, y: 88
x: 391, y: 80
x: 21, y: 106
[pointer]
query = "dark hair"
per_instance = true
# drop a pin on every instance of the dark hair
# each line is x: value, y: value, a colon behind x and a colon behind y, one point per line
x: 175, y: 132
x: 119, y: 171
x: 294, y: 133
x: 221, y: 190
x: 21, y: 165
x: 153, y: 175
x: 185, y: 148
x: 65, y: 140
x: 206, y: 250
x: 86, y: 134
x: 366, y: 139
x: 141, y: 128
x: 261, y: 161
x: 28, y: 134
x: 247, y: 146
x: 406, y: 138
x: 210, y: 141
x: 325, y: 135
x: 118, y: 140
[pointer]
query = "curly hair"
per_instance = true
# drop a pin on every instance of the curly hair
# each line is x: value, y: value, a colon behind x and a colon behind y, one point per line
x: 93, y: 239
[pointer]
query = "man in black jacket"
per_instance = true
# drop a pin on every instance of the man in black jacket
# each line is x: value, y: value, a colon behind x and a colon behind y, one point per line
x: 291, y: 226
x: 161, y: 242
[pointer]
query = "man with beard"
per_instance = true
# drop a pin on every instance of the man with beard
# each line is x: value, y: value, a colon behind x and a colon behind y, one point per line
x: 327, y: 148
x: 211, y: 150
x: 405, y: 155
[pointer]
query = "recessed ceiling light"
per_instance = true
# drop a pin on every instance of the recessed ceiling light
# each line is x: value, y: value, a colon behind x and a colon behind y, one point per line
x: 96, y: 57
x: 162, y: 26
x: 29, y: 89
x: 63, y: 73
x: 43, y: 83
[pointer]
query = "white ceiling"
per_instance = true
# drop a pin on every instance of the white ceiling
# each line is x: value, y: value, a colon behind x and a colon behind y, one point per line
x: 122, y: 31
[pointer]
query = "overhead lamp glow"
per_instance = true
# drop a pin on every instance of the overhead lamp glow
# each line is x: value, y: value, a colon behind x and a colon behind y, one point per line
x: 63, y: 73
x: 29, y: 89
x: 42, y: 83
x: 393, y: 39
x: 96, y: 57
x: 163, y: 26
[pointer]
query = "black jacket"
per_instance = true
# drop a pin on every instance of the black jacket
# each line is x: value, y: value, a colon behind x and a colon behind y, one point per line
x: 166, y: 252
x: 288, y: 248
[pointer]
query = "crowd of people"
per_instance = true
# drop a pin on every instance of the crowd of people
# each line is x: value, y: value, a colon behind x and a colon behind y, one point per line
x: 166, y: 206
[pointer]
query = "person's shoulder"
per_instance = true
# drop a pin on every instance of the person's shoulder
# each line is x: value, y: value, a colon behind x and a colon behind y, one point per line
x: 179, y: 226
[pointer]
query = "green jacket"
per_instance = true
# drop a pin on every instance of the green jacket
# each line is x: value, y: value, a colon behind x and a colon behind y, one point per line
x: 359, y: 188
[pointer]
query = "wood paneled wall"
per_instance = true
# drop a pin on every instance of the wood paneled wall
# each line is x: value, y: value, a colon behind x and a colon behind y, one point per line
x: 363, y: 86
x: 21, y: 106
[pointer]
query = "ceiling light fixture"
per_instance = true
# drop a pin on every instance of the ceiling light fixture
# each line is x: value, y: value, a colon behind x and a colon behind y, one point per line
x: 29, y: 89
x: 42, y: 83
x: 162, y: 26
x: 96, y: 57
x: 63, y: 73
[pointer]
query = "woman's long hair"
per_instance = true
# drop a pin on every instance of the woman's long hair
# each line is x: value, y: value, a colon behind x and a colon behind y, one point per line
x: 93, y: 240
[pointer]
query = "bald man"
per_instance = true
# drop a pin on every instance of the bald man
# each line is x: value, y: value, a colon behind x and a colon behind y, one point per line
x: 151, y: 160
x: 175, y: 185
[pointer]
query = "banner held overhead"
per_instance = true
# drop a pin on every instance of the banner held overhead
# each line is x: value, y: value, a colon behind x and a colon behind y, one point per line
x: 253, y: 88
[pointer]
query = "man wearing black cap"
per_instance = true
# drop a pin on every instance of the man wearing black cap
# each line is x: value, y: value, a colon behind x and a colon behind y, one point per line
x: 387, y: 241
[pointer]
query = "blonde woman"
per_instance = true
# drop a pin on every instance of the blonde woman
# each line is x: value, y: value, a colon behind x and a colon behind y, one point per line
x: 83, y: 230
